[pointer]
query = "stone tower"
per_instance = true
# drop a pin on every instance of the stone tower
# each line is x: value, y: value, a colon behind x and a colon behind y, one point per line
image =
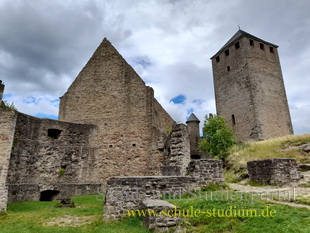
x: 193, y: 129
x: 249, y: 88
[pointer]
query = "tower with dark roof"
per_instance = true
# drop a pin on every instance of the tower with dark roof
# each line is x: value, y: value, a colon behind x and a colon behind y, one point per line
x: 193, y: 130
x: 249, y: 88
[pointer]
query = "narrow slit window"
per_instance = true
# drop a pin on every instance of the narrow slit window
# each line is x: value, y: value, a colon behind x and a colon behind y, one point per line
x: 252, y: 42
x: 227, y: 52
x: 261, y: 45
x: 271, y: 49
x: 228, y: 68
x: 233, y: 119
x: 237, y: 45
x: 217, y: 59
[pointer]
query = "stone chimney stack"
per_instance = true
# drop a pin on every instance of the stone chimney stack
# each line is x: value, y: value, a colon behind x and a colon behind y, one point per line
x: 1, y: 90
x: 193, y: 129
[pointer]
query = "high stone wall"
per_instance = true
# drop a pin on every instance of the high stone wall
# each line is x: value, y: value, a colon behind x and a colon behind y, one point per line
x: 109, y: 94
x: 48, y: 153
x: 7, y: 126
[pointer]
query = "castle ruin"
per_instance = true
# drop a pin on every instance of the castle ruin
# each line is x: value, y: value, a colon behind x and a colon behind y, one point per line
x: 111, y: 125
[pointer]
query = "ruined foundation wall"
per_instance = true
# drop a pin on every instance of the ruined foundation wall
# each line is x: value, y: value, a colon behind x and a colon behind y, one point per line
x: 206, y: 171
x: 7, y: 129
x: 126, y: 193
x: 273, y: 171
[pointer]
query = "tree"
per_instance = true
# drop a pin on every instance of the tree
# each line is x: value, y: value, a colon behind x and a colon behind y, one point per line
x: 218, y: 137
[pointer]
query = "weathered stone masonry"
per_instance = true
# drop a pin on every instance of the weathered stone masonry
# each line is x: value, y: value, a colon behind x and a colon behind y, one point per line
x: 7, y: 126
x: 249, y: 88
x: 126, y: 193
x: 273, y: 171
x: 51, y: 155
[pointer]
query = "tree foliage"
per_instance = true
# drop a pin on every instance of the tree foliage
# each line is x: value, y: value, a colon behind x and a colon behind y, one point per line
x: 218, y: 137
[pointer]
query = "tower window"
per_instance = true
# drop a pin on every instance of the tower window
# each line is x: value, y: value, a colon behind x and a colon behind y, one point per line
x: 228, y: 68
x: 261, y: 45
x: 271, y: 49
x: 237, y: 45
x: 252, y: 42
x: 217, y: 59
x: 227, y: 52
x: 233, y: 119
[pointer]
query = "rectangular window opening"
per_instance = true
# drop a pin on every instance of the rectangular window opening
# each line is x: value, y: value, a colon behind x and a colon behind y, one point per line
x: 237, y: 45
x: 228, y: 68
x: 261, y: 45
x: 54, y: 133
x: 271, y: 49
x: 233, y: 119
x: 227, y: 52
x: 217, y: 59
x: 252, y: 42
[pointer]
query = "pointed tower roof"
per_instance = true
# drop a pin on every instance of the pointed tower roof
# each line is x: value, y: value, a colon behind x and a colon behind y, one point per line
x: 237, y: 36
x: 192, y: 118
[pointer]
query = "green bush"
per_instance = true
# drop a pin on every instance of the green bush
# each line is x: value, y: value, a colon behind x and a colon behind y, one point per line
x: 218, y: 137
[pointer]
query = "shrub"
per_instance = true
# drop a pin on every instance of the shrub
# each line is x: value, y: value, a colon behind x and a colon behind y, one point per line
x: 218, y: 137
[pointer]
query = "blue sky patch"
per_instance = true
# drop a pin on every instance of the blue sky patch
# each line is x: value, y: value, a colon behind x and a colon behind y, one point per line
x: 42, y: 115
x: 180, y: 99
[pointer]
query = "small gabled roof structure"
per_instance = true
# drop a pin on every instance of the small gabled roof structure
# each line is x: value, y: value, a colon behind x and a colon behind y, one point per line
x: 237, y: 36
x: 192, y: 118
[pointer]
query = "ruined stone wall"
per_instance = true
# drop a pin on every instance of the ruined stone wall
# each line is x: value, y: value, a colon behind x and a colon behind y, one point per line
x: 47, y: 153
x: 7, y: 126
x: 206, y: 171
x: 273, y: 171
x: 179, y: 151
x: 126, y: 193
x: 249, y: 90
x: 108, y: 93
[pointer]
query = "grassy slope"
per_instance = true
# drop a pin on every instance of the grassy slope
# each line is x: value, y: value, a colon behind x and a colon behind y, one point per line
x: 284, y: 147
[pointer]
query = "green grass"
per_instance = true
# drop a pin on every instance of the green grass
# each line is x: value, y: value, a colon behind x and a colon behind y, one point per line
x: 287, y: 219
x: 24, y: 217
x: 284, y: 147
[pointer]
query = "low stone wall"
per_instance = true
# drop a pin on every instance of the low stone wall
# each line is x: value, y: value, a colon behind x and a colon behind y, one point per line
x: 206, y: 171
x: 126, y: 193
x: 170, y: 171
x: 162, y: 223
x: 273, y: 171
x: 32, y: 192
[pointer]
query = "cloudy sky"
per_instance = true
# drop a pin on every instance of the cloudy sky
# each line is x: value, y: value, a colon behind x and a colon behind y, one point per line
x: 45, y: 43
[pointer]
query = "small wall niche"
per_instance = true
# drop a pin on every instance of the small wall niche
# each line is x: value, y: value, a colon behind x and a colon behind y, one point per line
x: 54, y: 133
x: 48, y: 195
